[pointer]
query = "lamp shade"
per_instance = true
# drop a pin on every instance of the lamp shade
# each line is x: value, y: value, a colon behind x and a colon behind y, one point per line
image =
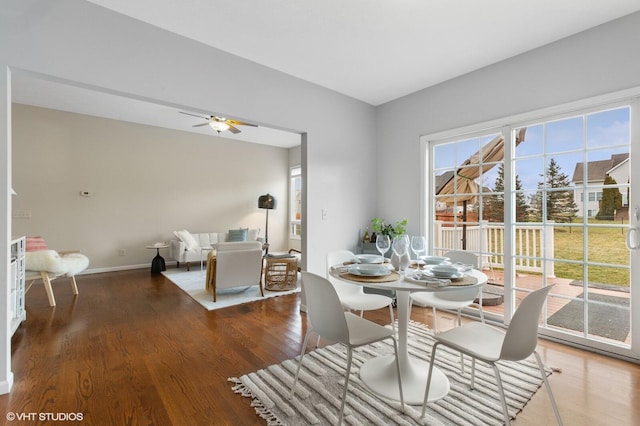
x: 267, y: 201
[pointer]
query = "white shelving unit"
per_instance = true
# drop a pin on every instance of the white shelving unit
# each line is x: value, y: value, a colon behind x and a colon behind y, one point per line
x: 17, y: 313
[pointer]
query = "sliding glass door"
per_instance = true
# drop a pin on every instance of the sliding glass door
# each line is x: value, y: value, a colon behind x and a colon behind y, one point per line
x: 544, y: 202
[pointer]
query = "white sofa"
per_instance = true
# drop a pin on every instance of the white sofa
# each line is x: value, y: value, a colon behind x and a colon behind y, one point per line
x: 193, y: 247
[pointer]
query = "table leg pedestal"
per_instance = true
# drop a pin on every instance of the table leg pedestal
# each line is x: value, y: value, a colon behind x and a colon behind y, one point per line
x: 157, y: 264
x: 379, y: 374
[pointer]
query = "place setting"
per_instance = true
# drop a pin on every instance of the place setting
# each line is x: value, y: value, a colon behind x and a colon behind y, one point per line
x: 442, y: 274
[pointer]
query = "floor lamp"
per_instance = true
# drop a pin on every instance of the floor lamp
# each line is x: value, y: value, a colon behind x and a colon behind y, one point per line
x: 267, y: 202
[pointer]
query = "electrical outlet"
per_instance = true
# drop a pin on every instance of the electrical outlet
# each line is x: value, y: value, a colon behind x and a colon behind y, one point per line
x: 122, y: 252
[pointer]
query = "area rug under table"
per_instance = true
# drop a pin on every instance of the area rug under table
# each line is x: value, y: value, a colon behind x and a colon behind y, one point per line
x: 192, y: 283
x: 319, y: 390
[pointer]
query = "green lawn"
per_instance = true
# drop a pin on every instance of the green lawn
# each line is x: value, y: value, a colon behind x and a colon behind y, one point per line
x: 606, y: 245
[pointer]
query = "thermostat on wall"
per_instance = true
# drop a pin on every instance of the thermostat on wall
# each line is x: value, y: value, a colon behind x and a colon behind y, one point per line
x: 86, y: 193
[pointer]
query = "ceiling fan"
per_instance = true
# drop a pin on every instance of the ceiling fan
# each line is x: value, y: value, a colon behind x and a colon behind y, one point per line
x: 220, y: 124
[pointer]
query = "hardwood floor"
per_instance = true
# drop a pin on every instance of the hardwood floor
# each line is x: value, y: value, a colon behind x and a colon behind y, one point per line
x: 133, y: 349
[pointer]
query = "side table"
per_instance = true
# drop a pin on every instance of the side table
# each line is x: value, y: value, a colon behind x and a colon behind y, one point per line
x: 280, y: 273
x: 157, y: 264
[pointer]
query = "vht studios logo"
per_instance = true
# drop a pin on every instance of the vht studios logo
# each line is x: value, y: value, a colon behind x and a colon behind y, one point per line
x: 45, y: 417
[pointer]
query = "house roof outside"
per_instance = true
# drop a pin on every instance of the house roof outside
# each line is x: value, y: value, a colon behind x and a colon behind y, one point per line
x: 597, y: 170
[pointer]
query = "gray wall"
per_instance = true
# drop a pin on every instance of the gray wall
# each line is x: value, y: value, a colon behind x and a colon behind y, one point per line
x: 146, y: 182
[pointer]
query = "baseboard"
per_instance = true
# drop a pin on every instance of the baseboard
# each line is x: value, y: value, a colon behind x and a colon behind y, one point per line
x: 5, y: 385
x: 121, y: 268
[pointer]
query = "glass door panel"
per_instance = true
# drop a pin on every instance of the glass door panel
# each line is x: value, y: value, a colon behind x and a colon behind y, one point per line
x: 554, y: 212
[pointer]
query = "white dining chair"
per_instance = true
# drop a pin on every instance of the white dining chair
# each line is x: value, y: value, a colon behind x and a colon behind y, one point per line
x: 353, y: 296
x: 329, y: 320
x: 454, y: 300
x: 490, y: 344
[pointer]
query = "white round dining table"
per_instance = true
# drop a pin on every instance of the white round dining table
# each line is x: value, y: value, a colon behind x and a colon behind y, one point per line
x: 379, y: 373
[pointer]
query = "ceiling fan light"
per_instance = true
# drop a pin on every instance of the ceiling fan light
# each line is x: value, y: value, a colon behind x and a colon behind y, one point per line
x: 218, y: 126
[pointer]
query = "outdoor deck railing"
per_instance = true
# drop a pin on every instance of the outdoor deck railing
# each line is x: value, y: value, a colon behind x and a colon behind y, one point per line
x: 487, y: 239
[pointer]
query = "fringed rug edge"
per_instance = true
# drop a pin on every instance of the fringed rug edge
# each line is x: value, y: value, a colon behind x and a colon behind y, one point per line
x: 263, y: 412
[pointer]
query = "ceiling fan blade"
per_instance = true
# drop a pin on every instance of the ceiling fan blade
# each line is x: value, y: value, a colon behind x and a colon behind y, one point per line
x: 194, y: 115
x: 200, y: 125
x: 233, y: 130
x: 240, y: 123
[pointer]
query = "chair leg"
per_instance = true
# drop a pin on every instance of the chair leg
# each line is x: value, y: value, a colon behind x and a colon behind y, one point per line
x: 346, y: 384
x: 393, y: 325
x: 47, y: 287
x: 304, y: 346
x: 505, y: 410
x: 461, y: 354
x: 435, y: 319
x: 473, y: 373
x: 548, y: 386
x: 426, y: 391
x: 74, y: 285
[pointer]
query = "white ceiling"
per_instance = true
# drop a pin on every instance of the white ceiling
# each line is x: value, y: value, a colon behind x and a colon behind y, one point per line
x: 32, y: 90
x: 372, y: 50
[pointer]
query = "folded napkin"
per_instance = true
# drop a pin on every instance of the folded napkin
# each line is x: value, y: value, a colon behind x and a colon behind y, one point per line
x: 462, y: 267
x: 430, y: 281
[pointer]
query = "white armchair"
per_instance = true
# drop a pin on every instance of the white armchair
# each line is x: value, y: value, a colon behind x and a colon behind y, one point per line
x: 192, y: 247
x: 238, y: 264
x: 47, y: 265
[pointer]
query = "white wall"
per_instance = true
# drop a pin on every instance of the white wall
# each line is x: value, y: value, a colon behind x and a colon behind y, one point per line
x: 146, y: 182
x: 602, y: 60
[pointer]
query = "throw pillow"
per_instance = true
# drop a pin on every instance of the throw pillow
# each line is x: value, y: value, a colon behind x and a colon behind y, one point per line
x: 35, y: 244
x: 252, y: 235
x: 189, y: 241
x: 238, y: 234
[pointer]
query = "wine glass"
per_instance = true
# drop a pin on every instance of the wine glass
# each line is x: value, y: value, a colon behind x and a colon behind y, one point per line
x: 400, y: 247
x: 418, y: 245
x: 383, y: 244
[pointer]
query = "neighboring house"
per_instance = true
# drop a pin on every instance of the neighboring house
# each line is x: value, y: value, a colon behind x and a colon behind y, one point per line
x: 617, y: 167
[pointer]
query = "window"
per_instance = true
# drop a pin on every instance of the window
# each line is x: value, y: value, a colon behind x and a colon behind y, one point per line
x: 542, y: 200
x: 295, y: 203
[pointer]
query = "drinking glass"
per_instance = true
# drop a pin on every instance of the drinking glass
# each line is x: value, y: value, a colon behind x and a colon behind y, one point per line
x: 383, y: 244
x: 418, y: 245
x: 400, y: 247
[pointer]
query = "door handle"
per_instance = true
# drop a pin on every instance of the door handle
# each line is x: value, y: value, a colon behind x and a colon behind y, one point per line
x: 633, y: 238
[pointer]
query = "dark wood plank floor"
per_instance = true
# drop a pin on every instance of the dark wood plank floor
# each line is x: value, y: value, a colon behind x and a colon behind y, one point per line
x: 134, y: 349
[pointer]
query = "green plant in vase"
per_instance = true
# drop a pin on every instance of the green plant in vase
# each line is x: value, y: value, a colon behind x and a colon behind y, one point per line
x: 381, y: 227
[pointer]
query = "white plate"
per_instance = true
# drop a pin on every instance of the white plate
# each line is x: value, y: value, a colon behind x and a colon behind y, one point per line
x: 444, y: 269
x: 436, y: 274
x: 369, y: 258
x: 369, y: 270
x: 434, y: 260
